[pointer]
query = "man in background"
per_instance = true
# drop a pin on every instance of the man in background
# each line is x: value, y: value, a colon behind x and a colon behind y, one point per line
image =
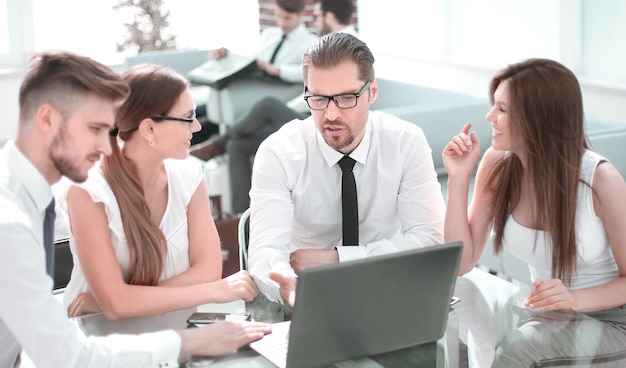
x: 278, y: 57
x: 269, y: 114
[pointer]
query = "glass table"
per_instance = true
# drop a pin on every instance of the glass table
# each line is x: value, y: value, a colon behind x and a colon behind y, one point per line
x: 490, y: 323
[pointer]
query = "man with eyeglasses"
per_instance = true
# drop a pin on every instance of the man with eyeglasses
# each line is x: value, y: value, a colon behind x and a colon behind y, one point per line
x: 296, y: 195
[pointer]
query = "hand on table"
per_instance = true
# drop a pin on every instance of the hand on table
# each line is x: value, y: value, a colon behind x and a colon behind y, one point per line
x: 221, y: 338
x: 550, y: 295
x: 83, y: 303
x: 268, y: 68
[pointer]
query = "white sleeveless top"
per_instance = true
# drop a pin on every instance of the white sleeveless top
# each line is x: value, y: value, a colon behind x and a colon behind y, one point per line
x: 595, y: 262
x: 183, y: 177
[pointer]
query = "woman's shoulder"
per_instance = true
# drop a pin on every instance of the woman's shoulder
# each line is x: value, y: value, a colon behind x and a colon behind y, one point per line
x: 97, y: 186
x: 492, y: 156
x: 184, y: 174
x: 188, y: 166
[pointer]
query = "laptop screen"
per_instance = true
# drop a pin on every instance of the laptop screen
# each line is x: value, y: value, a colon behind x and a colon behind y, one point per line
x: 371, y: 306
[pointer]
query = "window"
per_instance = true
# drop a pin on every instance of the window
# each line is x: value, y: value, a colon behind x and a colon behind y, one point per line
x: 93, y: 28
x: 587, y: 36
x: 15, y: 32
x: 604, y: 36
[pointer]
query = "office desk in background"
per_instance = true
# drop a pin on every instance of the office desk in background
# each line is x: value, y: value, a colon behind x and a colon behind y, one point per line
x: 488, y: 312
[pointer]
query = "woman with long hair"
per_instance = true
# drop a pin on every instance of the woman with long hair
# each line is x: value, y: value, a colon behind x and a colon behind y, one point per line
x: 548, y: 198
x: 142, y: 234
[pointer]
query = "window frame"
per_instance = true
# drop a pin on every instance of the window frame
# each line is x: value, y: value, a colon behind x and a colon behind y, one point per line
x: 20, y: 36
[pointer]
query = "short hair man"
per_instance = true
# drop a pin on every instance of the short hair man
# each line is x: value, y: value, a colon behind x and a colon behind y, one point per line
x: 333, y: 16
x: 67, y: 107
x: 296, y: 195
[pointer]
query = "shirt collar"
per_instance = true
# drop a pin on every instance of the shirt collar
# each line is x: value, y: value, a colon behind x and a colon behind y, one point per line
x: 299, y: 29
x: 31, y: 179
x: 349, y: 29
x: 332, y: 156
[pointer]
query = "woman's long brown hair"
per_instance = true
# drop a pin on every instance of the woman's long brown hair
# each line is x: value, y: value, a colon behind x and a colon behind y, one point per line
x: 546, y: 114
x: 153, y: 91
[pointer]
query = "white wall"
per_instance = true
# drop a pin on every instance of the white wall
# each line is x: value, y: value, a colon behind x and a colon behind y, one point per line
x: 450, y: 44
x: 92, y: 28
x: 460, y: 44
x: 9, y: 87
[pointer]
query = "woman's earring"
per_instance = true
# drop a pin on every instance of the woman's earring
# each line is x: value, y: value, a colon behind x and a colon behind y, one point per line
x: 150, y: 142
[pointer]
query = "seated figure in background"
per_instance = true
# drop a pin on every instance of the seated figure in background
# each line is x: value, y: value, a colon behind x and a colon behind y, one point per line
x: 269, y: 114
x: 278, y: 56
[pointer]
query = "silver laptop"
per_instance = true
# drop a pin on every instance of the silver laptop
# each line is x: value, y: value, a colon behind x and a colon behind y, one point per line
x: 366, y: 307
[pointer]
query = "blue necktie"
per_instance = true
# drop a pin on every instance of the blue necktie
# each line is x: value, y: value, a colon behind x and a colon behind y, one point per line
x: 48, y: 237
x: 349, y: 206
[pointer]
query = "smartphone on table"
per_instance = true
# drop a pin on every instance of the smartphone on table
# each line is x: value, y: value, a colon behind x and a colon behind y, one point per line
x: 202, y: 318
x: 454, y: 301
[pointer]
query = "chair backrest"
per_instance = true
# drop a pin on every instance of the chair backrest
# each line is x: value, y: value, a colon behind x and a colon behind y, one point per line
x: 63, y: 263
x: 183, y: 61
x: 244, y: 234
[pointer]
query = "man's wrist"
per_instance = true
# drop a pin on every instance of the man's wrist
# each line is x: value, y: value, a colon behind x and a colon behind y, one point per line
x: 349, y: 253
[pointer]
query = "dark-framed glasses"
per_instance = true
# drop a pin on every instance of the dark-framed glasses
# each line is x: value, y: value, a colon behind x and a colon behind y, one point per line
x: 189, y: 120
x: 343, y: 101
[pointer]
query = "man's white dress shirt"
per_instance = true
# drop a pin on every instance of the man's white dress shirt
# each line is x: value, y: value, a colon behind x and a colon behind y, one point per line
x: 289, y: 57
x: 296, y: 195
x: 30, y: 317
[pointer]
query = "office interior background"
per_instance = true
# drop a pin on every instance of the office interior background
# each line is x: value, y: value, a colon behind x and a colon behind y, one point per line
x: 455, y: 45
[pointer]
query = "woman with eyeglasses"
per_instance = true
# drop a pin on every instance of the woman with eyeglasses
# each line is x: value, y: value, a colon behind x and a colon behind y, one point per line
x: 142, y: 234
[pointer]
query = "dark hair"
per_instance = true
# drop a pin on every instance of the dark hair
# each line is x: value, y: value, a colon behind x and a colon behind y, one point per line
x: 341, y: 8
x: 291, y: 6
x: 62, y: 79
x: 546, y: 114
x: 154, y: 90
x: 333, y: 49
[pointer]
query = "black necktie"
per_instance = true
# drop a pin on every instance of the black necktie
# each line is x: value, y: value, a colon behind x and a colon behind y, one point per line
x: 48, y: 237
x: 349, y: 207
x: 280, y: 44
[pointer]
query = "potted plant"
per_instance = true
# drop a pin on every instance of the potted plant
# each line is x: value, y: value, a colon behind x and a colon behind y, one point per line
x: 148, y: 30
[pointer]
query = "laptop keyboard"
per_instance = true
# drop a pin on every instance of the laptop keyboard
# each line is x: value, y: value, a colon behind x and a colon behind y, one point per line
x: 278, y: 352
x: 274, y: 345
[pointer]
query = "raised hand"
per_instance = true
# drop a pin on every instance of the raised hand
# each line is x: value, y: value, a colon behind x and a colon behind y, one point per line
x: 287, y: 286
x: 461, y: 154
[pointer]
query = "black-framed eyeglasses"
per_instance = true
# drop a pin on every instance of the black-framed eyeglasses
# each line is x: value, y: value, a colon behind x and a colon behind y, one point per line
x: 189, y: 120
x: 343, y: 101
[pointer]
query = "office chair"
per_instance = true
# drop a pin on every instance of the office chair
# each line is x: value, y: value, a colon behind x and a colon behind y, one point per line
x: 63, y: 264
x: 243, y: 235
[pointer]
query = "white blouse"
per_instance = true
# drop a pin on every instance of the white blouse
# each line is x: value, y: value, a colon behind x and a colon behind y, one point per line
x: 595, y: 264
x: 183, y: 177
